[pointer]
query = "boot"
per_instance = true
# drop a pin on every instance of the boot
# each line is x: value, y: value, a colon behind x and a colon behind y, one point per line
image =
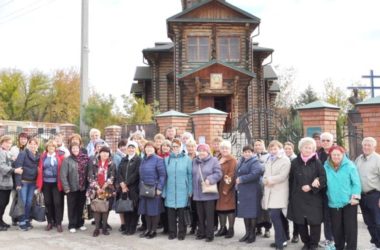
x: 247, y: 223
x: 252, y: 235
x: 222, y: 232
x: 230, y: 233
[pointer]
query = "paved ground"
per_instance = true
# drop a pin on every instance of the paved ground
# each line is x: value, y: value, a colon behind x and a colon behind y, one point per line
x: 37, y: 238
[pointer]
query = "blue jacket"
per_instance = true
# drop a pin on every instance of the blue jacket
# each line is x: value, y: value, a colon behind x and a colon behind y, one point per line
x: 342, y: 184
x: 211, y: 171
x: 29, y: 164
x: 152, y: 171
x: 179, y: 182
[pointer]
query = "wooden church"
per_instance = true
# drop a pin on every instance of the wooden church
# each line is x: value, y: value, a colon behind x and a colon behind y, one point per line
x: 212, y: 61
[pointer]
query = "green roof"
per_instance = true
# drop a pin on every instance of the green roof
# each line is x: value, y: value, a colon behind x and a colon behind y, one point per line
x: 269, y: 73
x: 371, y: 101
x: 318, y: 105
x: 274, y: 88
x: 137, y: 88
x: 209, y: 111
x: 172, y: 113
x: 213, y: 62
x: 160, y: 47
x: 249, y: 17
x: 142, y: 73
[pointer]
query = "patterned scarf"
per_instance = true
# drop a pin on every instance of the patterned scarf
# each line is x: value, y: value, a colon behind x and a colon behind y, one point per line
x: 102, y: 172
x: 82, y: 160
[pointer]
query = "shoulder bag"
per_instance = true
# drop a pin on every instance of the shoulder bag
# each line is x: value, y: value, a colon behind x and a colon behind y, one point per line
x: 207, y: 189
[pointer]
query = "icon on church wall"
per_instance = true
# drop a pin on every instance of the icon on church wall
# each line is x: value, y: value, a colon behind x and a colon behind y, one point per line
x: 216, y: 81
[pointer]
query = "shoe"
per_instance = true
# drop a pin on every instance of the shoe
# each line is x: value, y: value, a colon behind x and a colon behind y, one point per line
x: 259, y: 232
x: 209, y: 239
x: 72, y: 230
x: 222, y: 231
x: 122, y: 228
x: 49, y: 227
x: 83, y: 228
x: 2, y: 228
x: 105, y: 232
x: 3, y: 224
x: 141, y: 229
x: 215, y: 228
x: 59, y: 229
x: 200, y: 237
x: 279, y: 248
x: 23, y: 227
x: 316, y: 248
x: 29, y: 225
x: 325, y: 243
x: 93, y: 222
x: 267, y: 234
x: 109, y: 227
x: 192, y: 231
x: 181, y: 237
x: 95, y: 233
x: 230, y: 233
x: 295, y: 239
x: 144, y: 234
x: 171, y: 237
x: 151, y: 235
x: 305, y: 247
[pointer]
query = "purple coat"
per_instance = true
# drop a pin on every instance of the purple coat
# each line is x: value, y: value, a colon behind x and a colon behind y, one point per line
x: 211, y: 171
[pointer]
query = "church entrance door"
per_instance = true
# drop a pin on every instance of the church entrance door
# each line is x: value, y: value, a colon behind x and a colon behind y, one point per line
x: 222, y: 103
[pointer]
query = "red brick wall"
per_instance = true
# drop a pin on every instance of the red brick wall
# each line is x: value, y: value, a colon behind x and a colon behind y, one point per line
x: 178, y: 122
x: 323, y: 118
x: 209, y: 126
x: 371, y: 122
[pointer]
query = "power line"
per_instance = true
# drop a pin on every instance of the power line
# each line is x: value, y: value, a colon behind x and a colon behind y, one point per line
x: 24, y: 11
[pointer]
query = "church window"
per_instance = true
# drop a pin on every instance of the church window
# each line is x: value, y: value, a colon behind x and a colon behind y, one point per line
x: 198, y: 49
x: 229, y: 49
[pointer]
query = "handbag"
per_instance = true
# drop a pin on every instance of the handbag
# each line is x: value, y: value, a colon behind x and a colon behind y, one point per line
x: 17, y: 207
x: 147, y: 191
x: 188, y: 215
x: 124, y: 205
x: 99, y: 206
x: 38, y: 212
x: 207, y: 189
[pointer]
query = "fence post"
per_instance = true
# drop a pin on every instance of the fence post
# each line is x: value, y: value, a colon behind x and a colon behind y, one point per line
x: 113, y: 136
x: 67, y: 129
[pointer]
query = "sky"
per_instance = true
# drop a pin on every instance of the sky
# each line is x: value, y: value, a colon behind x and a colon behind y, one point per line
x: 337, y: 40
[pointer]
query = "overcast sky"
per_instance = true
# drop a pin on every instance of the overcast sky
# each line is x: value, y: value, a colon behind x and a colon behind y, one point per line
x: 321, y: 39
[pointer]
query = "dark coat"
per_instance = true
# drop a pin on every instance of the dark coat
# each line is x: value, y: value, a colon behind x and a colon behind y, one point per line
x: 152, y: 172
x: 69, y: 175
x: 249, y: 191
x: 29, y: 164
x: 129, y: 174
x: 306, y: 205
x: 226, y: 185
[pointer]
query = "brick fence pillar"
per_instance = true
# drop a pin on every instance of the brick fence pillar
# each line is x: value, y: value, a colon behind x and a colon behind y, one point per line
x: 319, y: 116
x: 370, y: 112
x: 172, y: 118
x: 30, y: 130
x: 113, y: 136
x: 67, y: 129
x: 208, y: 123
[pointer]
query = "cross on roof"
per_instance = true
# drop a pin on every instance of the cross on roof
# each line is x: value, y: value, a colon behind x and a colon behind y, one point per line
x: 372, y: 87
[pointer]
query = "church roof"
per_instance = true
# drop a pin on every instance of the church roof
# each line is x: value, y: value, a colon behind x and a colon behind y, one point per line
x: 371, y: 101
x: 142, y: 73
x: 214, y: 62
x: 136, y: 88
x: 160, y: 47
x: 172, y: 113
x: 318, y: 105
x: 269, y: 73
x: 209, y: 111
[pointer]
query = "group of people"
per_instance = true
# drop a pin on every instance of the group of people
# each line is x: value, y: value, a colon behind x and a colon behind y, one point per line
x: 175, y: 183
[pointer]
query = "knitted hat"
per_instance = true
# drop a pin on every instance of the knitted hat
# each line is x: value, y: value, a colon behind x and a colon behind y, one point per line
x: 204, y: 147
x: 132, y: 144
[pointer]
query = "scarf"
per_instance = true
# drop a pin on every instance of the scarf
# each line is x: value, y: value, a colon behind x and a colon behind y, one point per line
x: 102, y: 172
x: 131, y: 156
x: 82, y: 160
x: 53, y: 158
x: 306, y: 158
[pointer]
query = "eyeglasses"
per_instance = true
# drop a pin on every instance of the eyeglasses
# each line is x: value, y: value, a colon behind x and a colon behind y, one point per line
x: 325, y: 140
x: 175, y: 146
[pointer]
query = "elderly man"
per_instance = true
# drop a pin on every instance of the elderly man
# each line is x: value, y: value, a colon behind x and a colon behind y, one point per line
x: 327, y: 141
x: 368, y: 165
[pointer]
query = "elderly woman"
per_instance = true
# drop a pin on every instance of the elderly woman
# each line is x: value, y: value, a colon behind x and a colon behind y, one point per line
x: 101, y: 177
x: 206, y: 172
x: 289, y: 150
x: 74, y: 173
x: 276, y: 190
x: 22, y: 142
x: 165, y: 148
x: 185, y: 138
x: 49, y: 182
x: 343, y: 193
x: 191, y: 147
x: 152, y: 174
x: 178, y: 189
x: 76, y: 138
x: 307, y: 181
x: 6, y: 180
x: 158, y: 140
x: 226, y: 204
x: 248, y: 192
x: 26, y: 183
x: 129, y: 184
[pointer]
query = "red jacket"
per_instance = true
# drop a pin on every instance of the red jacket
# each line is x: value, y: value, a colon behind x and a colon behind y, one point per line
x: 40, y: 177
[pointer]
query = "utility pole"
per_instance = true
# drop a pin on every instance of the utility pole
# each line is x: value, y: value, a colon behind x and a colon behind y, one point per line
x: 84, y: 90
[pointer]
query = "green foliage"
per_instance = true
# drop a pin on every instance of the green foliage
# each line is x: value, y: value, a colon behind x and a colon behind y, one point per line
x: 307, y: 96
x: 10, y: 90
x: 286, y: 97
x: 137, y: 111
x: 99, y: 112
